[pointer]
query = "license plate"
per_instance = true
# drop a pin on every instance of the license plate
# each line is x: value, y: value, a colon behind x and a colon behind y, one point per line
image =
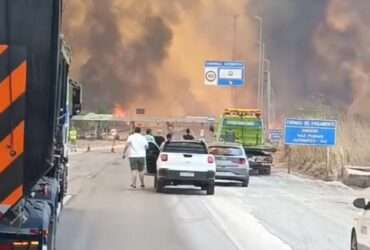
x: 186, y: 174
x: 221, y: 162
x: 224, y: 174
x: 229, y: 166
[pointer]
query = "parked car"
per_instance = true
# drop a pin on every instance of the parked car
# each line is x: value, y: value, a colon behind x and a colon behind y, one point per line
x: 260, y: 162
x: 231, y: 162
x: 185, y: 163
x: 360, y: 237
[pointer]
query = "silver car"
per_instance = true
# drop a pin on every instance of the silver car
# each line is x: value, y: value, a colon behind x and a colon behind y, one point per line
x: 231, y: 162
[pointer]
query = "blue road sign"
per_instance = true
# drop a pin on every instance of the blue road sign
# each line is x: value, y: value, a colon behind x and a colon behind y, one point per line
x: 310, y: 132
x: 275, y: 135
x: 224, y: 73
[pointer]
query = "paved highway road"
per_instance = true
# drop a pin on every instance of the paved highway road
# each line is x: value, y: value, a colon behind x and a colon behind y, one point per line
x: 276, y: 212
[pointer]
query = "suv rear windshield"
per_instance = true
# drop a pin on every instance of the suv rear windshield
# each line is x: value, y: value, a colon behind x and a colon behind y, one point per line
x: 225, y: 151
x: 185, y: 147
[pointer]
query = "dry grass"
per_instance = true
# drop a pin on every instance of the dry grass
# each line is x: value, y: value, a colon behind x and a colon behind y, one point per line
x: 353, y: 148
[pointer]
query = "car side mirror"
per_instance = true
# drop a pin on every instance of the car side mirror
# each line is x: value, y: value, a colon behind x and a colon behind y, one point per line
x: 360, y: 203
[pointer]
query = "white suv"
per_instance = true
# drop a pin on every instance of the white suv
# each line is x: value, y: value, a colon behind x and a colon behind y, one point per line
x: 360, y: 239
x: 186, y: 163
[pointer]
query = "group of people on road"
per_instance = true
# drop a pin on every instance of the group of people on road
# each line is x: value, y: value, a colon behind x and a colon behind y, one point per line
x: 136, y: 147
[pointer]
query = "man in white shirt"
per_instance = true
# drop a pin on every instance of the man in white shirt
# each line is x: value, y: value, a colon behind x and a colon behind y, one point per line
x: 135, y: 149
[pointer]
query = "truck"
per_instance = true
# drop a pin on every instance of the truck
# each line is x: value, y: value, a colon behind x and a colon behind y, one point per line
x: 245, y: 126
x: 37, y: 101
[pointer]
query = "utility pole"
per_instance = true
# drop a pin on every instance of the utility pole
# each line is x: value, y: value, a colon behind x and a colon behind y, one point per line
x: 268, y: 92
x: 260, y: 60
x: 235, y: 25
x: 233, y: 55
x: 263, y: 83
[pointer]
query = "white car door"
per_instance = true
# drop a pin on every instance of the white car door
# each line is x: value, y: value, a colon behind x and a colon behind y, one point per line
x: 363, y: 234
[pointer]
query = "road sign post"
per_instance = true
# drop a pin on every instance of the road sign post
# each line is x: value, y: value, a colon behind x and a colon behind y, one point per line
x: 315, y: 133
x: 275, y: 135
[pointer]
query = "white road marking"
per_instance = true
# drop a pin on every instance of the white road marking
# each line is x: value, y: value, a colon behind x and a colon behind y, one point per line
x: 243, y: 229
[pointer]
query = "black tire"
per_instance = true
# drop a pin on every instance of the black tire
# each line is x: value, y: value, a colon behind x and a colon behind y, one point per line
x: 245, y: 183
x: 354, y: 245
x: 211, y: 188
x: 159, y: 186
x: 51, y: 244
x: 267, y: 171
x: 155, y: 181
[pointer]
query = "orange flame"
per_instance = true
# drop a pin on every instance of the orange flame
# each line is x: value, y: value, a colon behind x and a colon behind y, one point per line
x: 118, y: 111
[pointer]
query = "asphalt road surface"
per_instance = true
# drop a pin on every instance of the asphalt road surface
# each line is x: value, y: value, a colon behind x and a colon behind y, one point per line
x: 276, y: 212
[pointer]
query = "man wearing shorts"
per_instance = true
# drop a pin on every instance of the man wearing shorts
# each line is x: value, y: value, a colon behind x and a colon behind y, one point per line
x: 136, y: 151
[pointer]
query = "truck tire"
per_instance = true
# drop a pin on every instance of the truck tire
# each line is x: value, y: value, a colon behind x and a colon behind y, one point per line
x: 51, y: 244
x: 267, y: 171
x: 159, y: 186
x: 354, y: 245
x: 211, y: 188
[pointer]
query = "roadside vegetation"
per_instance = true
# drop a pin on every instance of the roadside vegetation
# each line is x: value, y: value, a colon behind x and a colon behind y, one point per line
x: 352, y: 149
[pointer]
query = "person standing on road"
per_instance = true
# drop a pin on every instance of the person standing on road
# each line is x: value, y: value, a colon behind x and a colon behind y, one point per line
x: 73, y: 139
x: 136, y: 151
x: 168, y: 139
x: 150, y: 138
x: 188, y: 135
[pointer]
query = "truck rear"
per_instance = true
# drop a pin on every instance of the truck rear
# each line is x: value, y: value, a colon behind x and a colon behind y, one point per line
x: 37, y: 99
x: 245, y: 126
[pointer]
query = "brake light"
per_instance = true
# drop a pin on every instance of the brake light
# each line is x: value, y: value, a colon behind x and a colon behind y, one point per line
x: 242, y: 161
x: 6, y: 246
x: 19, y: 245
x: 164, y: 157
x: 211, y: 160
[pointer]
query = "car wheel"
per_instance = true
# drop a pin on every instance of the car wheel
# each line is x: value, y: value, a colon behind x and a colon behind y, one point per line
x: 245, y: 183
x: 267, y: 171
x: 155, y: 181
x: 211, y: 188
x: 354, y: 245
x: 159, y: 186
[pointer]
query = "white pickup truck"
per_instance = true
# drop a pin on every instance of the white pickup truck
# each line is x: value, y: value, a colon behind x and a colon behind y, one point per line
x: 185, y: 163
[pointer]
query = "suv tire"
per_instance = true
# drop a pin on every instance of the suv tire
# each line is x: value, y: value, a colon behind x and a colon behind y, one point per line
x: 211, y: 188
x: 159, y: 186
x: 354, y: 245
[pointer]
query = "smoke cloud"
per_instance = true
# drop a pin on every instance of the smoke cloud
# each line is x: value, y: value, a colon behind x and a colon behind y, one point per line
x: 319, y: 51
x: 342, y: 45
x: 150, y: 54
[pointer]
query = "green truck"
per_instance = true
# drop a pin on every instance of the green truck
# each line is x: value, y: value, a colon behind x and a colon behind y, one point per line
x: 245, y: 126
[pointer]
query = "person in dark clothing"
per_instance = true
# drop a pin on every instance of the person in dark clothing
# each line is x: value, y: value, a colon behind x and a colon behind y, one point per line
x: 169, y: 137
x: 188, y: 135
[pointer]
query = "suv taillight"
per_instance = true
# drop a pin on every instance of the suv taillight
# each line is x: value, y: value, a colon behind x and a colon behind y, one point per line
x: 211, y: 160
x: 6, y: 246
x: 164, y: 157
x: 242, y: 161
